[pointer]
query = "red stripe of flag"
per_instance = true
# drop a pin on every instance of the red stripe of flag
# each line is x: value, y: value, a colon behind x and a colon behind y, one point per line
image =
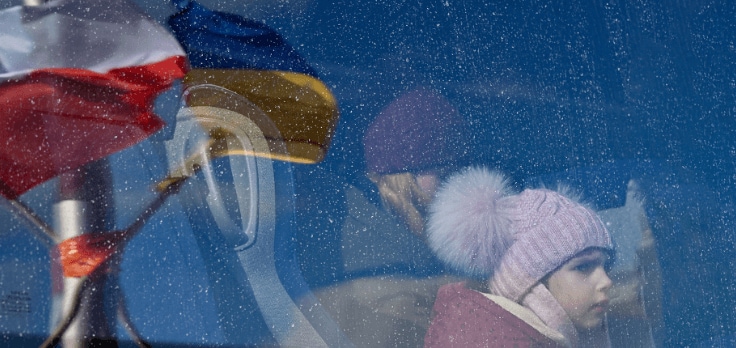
x: 56, y: 119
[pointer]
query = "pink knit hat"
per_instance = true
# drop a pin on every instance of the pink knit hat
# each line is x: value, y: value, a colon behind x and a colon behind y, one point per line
x: 478, y: 226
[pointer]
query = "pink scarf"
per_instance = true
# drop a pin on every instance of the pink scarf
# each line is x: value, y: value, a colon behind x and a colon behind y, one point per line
x: 546, y: 307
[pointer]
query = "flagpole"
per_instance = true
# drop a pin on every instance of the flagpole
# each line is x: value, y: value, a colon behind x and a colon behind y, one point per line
x: 85, y: 206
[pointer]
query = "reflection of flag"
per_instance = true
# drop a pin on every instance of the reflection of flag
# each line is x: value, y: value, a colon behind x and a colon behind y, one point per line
x: 256, y: 62
x: 77, y: 82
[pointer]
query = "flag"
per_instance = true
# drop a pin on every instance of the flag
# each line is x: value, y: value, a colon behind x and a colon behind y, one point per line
x: 254, y: 61
x: 78, y: 79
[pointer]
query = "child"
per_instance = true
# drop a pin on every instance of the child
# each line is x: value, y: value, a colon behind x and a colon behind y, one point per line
x: 542, y: 259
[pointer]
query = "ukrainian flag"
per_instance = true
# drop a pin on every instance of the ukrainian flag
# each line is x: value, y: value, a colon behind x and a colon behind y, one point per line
x: 254, y: 61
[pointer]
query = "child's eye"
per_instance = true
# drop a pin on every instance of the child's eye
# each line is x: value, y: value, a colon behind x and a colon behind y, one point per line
x: 585, y: 267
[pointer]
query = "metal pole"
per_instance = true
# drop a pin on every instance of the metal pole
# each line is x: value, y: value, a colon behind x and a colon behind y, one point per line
x: 85, y: 201
x: 85, y: 206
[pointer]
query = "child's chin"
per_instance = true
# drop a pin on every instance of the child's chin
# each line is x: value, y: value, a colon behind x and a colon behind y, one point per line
x: 592, y: 323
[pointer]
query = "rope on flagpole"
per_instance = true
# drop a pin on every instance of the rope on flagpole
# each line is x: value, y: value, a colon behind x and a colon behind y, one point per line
x: 56, y: 335
x: 86, y: 255
x: 124, y: 318
x: 40, y: 229
x: 83, y: 254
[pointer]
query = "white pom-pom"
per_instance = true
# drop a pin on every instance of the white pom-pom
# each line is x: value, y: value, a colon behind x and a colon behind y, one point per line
x: 467, y: 227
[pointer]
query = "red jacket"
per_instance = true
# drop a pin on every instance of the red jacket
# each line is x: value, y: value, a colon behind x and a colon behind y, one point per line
x: 465, y: 318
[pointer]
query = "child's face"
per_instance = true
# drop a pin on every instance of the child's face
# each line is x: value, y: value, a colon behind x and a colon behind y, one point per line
x: 580, y: 286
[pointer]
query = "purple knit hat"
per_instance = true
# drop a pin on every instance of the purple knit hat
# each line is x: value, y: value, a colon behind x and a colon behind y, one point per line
x: 419, y: 130
x: 479, y: 227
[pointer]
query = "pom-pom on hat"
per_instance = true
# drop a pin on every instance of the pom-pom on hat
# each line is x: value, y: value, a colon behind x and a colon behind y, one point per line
x: 478, y: 226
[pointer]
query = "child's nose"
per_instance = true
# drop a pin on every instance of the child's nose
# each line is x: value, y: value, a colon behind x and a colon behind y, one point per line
x: 604, y: 282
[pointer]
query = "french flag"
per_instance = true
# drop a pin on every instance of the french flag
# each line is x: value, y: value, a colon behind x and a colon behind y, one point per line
x: 78, y: 80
